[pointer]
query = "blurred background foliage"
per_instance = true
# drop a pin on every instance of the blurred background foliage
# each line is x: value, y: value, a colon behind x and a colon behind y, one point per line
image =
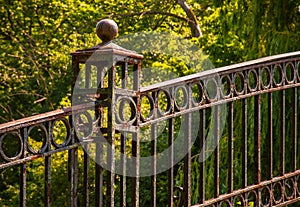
x: 37, y: 37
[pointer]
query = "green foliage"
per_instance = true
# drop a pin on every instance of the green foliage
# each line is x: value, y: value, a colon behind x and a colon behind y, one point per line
x: 37, y: 37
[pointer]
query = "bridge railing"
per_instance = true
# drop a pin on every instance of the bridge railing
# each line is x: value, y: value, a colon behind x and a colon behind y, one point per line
x: 223, y: 137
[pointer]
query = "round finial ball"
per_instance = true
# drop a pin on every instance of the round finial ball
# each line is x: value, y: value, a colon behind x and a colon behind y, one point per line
x: 107, y: 29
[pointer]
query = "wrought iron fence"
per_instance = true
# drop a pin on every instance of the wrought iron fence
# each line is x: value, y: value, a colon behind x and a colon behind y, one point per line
x: 231, y: 136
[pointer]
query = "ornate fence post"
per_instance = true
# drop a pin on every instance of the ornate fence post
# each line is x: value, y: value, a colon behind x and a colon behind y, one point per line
x: 108, y: 76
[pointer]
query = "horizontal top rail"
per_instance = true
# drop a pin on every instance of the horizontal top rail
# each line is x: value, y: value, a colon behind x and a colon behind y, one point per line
x: 44, y: 117
x: 230, y: 68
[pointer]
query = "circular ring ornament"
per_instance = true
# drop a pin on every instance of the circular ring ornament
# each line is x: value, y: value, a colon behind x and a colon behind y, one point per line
x: 83, y: 120
x: 265, y: 196
x: 265, y: 78
x: 252, y: 198
x: 298, y: 184
x: 18, y: 154
x: 226, y: 86
x: 167, y: 102
x: 253, y: 80
x: 277, y: 192
x: 45, y: 140
x: 197, y: 93
x: 225, y: 203
x: 123, y: 104
x: 181, y: 97
x: 289, y: 188
x: 68, y: 130
x: 290, y: 73
x: 211, y: 89
x: 278, y: 75
x: 148, y: 112
x: 239, y: 83
x: 239, y: 200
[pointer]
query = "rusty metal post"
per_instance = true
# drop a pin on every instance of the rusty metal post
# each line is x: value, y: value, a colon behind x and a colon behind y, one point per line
x: 107, y: 59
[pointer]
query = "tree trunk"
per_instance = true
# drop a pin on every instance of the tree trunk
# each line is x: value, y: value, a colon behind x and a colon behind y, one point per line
x: 195, y: 28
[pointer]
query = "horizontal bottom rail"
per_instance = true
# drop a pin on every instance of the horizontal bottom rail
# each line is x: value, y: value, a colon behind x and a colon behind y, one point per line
x: 253, y: 188
x: 288, y: 202
x: 45, y: 154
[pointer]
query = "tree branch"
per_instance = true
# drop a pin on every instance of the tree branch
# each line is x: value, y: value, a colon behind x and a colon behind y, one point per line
x: 149, y: 12
x: 131, y: 14
x: 195, y: 28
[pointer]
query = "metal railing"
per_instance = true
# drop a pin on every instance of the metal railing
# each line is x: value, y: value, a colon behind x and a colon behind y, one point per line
x: 231, y: 135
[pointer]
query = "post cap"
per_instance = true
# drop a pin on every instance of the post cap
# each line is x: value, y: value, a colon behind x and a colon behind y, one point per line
x: 106, y: 29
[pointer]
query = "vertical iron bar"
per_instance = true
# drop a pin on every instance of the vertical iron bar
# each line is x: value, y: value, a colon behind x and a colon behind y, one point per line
x: 123, y: 141
x: 282, y: 131
x: 270, y: 134
x: 99, y: 115
x: 244, y: 144
x: 153, y: 150
x: 47, y: 180
x: 23, y: 170
x: 101, y: 73
x: 88, y: 75
x: 124, y: 75
x: 73, y: 175
x: 257, y: 138
x: 202, y: 156
x: 75, y: 70
x: 47, y: 183
x: 136, y: 165
x: 153, y: 163
x: 187, y: 161
x: 72, y: 154
x: 257, y: 146
x: 217, y: 151
x: 23, y: 185
x: 86, y: 173
x: 136, y: 137
x: 136, y: 76
x: 123, y: 166
x: 295, y: 105
x: 230, y: 146
x: 188, y: 157
x: 98, y: 176
x: 171, y: 161
x: 111, y: 138
x: 110, y: 163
